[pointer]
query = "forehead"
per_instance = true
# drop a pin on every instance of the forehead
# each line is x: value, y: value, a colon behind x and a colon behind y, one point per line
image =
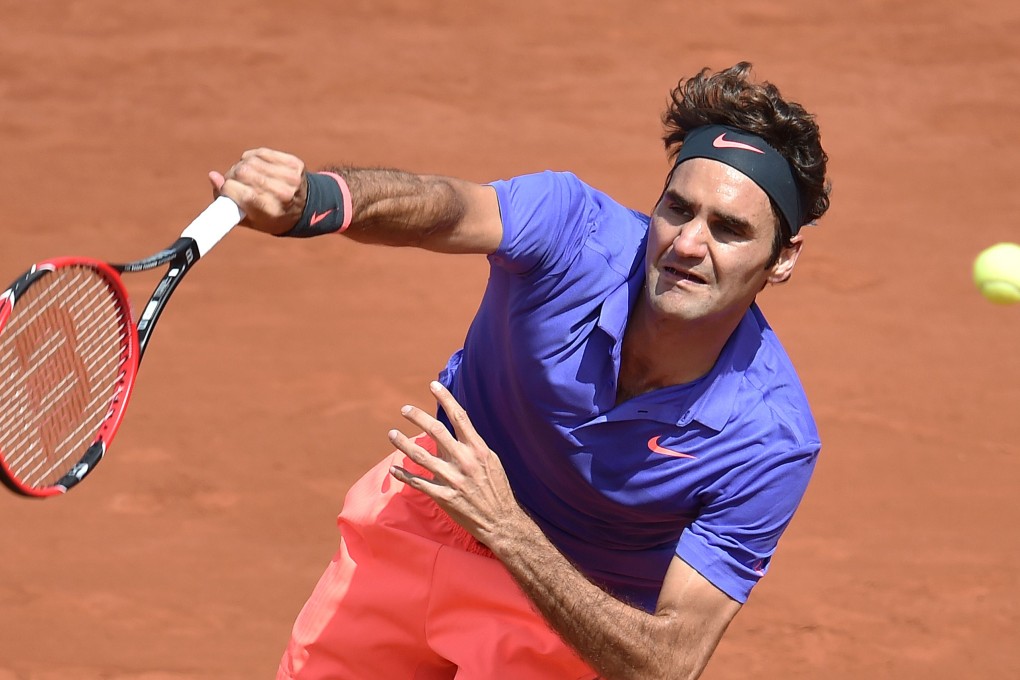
x: 718, y: 187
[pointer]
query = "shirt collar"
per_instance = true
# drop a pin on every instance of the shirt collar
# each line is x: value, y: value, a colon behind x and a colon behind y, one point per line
x: 617, y: 305
x: 710, y: 400
x: 714, y: 404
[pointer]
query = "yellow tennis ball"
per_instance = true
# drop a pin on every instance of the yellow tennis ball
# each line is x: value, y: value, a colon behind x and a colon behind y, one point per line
x: 997, y: 273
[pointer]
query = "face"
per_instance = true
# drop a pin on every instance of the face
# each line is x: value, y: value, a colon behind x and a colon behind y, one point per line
x: 709, y: 240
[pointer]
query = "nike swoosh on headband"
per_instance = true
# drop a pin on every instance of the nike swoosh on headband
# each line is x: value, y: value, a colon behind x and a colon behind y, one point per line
x: 721, y: 142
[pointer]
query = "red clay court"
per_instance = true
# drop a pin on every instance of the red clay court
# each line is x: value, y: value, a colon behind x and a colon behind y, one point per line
x: 189, y: 552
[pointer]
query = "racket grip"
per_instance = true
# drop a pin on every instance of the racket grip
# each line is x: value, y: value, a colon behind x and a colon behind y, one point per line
x: 213, y: 224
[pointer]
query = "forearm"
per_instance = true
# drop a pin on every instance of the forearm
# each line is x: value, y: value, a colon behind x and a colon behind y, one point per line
x: 393, y: 207
x: 619, y: 641
x: 279, y: 196
x: 397, y: 208
x: 467, y: 480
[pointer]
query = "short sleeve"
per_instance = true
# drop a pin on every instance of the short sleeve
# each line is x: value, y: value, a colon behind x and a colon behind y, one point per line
x: 732, y: 541
x: 545, y: 220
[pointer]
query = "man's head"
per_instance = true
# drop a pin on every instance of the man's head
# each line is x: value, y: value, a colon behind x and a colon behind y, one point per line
x: 729, y: 98
x: 728, y: 220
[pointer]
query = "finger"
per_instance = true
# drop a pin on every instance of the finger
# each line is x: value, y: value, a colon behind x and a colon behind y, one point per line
x: 445, y: 442
x: 280, y: 158
x: 265, y: 175
x: 419, y: 455
x: 426, y: 486
x: 249, y: 199
x: 455, y: 412
x: 217, y: 180
x: 258, y: 165
x: 259, y: 169
x: 443, y: 495
x: 259, y: 194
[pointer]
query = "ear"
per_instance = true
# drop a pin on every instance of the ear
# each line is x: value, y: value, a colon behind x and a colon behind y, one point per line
x: 783, y: 267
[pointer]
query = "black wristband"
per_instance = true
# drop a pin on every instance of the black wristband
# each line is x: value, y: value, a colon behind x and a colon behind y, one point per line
x: 327, y: 207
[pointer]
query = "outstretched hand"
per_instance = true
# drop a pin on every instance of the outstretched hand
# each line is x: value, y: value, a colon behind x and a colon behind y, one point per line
x: 468, y: 480
x: 268, y: 185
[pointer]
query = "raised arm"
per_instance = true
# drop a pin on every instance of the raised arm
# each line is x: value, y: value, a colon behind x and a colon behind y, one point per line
x: 389, y: 207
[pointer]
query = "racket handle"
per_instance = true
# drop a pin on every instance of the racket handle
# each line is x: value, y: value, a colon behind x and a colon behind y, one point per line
x: 213, y: 224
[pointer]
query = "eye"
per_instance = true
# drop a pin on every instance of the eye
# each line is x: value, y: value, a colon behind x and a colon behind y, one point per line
x: 679, y: 208
x: 730, y: 229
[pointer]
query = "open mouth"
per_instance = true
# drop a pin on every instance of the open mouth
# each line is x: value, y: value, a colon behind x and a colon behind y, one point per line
x: 684, y: 275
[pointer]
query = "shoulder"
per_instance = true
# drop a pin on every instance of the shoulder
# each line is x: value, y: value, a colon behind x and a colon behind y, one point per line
x: 754, y: 398
x: 773, y: 382
x: 556, y: 190
x: 549, y: 217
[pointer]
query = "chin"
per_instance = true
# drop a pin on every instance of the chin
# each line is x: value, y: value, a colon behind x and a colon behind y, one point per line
x: 677, y: 304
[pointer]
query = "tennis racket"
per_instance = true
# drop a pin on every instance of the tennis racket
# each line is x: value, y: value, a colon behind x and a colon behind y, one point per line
x: 69, y: 354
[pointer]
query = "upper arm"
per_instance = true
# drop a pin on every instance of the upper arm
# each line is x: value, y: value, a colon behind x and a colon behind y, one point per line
x: 477, y: 229
x: 745, y: 512
x: 699, y: 612
x: 526, y: 222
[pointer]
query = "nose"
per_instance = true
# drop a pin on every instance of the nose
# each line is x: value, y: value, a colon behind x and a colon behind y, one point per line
x: 690, y: 241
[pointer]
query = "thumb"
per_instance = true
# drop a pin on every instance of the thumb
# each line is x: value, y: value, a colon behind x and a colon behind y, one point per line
x: 217, y: 181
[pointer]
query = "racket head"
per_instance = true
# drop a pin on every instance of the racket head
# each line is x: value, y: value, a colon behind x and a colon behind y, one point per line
x: 68, y: 360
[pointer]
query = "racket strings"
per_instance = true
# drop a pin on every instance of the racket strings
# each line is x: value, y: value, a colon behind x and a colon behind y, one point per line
x: 62, y: 354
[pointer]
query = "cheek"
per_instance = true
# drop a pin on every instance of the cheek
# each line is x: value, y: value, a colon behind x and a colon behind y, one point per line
x: 660, y: 239
x: 750, y: 275
x: 740, y: 267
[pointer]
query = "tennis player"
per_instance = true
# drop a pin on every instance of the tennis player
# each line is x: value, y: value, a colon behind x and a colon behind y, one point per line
x: 621, y: 440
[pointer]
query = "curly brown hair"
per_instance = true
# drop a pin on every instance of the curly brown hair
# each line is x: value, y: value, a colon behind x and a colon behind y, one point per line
x: 730, y: 98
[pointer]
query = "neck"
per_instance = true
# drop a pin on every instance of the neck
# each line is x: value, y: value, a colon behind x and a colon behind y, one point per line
x: 659, y: 352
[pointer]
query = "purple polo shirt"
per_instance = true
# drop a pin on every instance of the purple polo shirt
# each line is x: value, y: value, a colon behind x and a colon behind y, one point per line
x: 711, y: 471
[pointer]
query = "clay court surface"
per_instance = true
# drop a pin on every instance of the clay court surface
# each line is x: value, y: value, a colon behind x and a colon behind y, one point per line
x: 279, y: 366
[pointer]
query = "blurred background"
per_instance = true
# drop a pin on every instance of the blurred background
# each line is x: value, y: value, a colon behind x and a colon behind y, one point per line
x: 281, y: 365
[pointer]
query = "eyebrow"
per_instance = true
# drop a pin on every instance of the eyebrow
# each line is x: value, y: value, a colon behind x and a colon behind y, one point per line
x: 730, y: 219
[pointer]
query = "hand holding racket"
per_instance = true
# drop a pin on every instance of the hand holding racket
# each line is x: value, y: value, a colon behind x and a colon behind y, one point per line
x: 69, y: 354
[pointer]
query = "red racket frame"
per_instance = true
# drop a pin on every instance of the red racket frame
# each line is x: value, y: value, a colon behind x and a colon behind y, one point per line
x: 125, y: 381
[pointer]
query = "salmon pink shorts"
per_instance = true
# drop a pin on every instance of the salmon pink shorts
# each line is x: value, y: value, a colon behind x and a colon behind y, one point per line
x: 410, y: 595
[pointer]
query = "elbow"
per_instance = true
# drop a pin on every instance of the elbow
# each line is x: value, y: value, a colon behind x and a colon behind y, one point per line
x: 449, y: 209
x: 668, y: 652
x: 659, y: 663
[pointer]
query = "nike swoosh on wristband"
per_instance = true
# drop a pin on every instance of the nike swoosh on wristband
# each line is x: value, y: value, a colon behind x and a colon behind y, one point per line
x: 653, y: 446
x: 317, y: 217
x: 721, y: 142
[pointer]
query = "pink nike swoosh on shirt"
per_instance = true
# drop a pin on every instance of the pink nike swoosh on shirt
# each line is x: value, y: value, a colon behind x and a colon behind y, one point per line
x: 653, y: 446
x: 318, y: 217
x: 721, y: 142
